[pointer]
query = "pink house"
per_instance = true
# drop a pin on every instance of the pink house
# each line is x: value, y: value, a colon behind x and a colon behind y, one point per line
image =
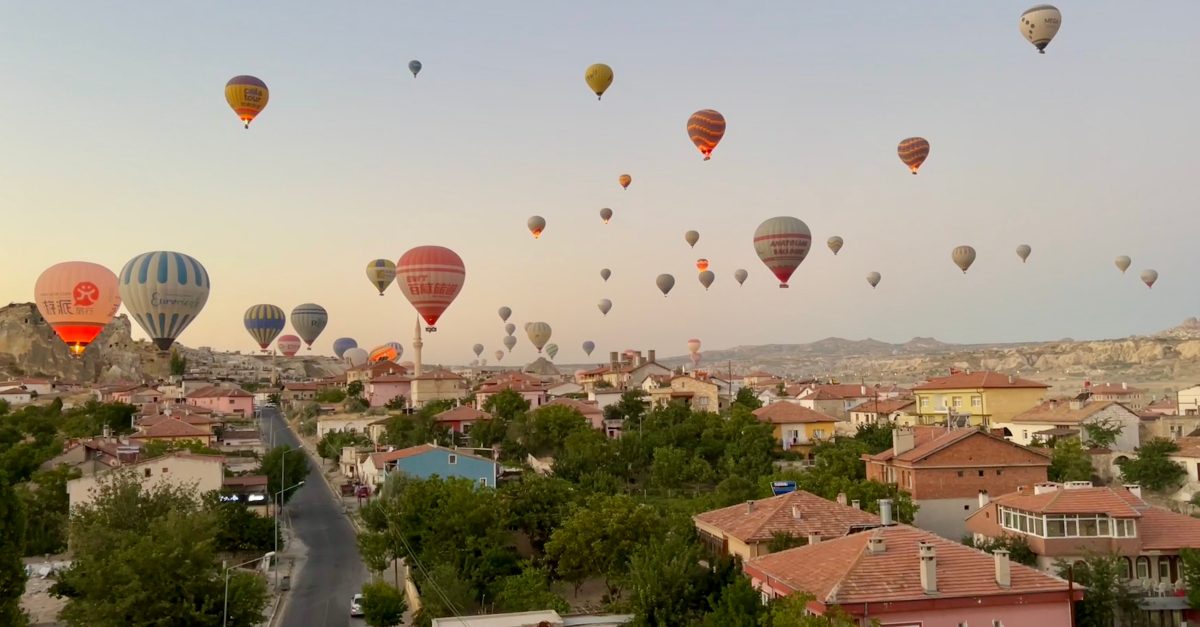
x: 590, y: 410
x: 530, y: 388
x: 381, y: 389
x: 460, y: 419
x: 221, y: 400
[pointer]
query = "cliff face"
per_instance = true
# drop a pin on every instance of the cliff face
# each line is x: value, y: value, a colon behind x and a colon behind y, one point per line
x: 29, y: 346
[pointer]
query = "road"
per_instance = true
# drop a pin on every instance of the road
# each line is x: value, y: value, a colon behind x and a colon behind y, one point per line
x: 332, y: 572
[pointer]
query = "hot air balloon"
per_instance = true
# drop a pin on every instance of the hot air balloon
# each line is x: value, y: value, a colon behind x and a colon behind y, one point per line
x: 510, y: 328
x: 504, y: 312
x: 605, y: 305
x: 1123, y: 263
x: 782, y: 243
x: 605, y: 273
x: 552, y: 350
x: 536, y: 225
x: 740, y: 276
x: 693, y: 345
x: 598, y: 76
x: 695, y: 357
x: 706, y: 128
x: 430, y: 277
x: 309, y: 320
x: 834, y: 243
x: 913, y: 152
x: 1149, y: 277
x: 78, y: 299
x: 691, y: 237
x: 873, y: 278
x: 963, y: 257
x: 499, y: 355
x: 701, y: 265
x: 1023, y: 252
x: 288, y: 345
x: 264, y: 322
x: 509, y: 342
x: 625, y: 180
x: 355, y: 357
x: 392, y: 351
x: 381, y: 273
x: 539, y: 334
x: 343, y: 344
x: 414, y: 66
x: 1040, y: 24
x: 477, y: 349
x: 665, y: 282
x: 588, y: 347
x: 248, y: 96
x: 706, y: 278
x: 164, y: 291
x: 606, y: 214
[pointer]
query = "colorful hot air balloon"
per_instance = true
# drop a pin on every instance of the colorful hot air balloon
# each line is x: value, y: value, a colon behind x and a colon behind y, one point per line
x: 355, y: 356
x: 264, y: 322
x: 913, y: 152
x: 963, y: 257
x: 740, y: 276
x: 588, y: 347
x: 509, y: 342
x: 248, y: 96
x: 499, y: 355
x: 288, y: 345
x: 477, y: 349
x: 1023, y: 252
x: 606, y: 214
x: 552, y: 350
x: 701, y: 265
x: 665, y: 282
x: 598, y: 76
x: 309, y: 320
x: 536, y: 225
x: 605, y: 273
x: 164, y: 291
x: 414, y: 66
x: 625, y: 180
x: 706, y: 128
x: 604, y: 305
x: 782, y: 243
x: 693, y: 345
x: 343, y: 344
x: 1040, y: 24
x: 873, y: 278
x: 1123, y: 263
x: 392, y: 351
x: 539, y: 334
x: 430, y: 277
x: 695, y: 357
x: 78, y: 299
x: 835, y: 244
x: 510, y: 328
x: 381, y: 273
x: 1149, y: 277
x: 691, y: 237
x: 504, y: 312
x: 706, y: 278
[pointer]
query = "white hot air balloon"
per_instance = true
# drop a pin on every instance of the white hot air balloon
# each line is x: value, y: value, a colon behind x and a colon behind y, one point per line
x: 1040, y: 24
x: 1123, y: 263
x: 164, y: 291
x: 1149, y: 277
x: 355, y: 356
x: 963, y: 257
x: 539, y: 334
x: 873, y: 278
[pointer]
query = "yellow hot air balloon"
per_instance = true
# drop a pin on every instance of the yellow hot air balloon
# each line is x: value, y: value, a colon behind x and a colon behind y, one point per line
x: 598, y: 76
x: 625, y: 180
x: 248, y: 96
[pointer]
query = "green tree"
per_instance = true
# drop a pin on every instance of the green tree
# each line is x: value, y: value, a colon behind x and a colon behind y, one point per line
x: 93, y: 417
x: 1017, y: 547
x: 178, y: 364
x: 877, y: 437
x: 543, y: 431
x: 275, y: 398
x: 158, y: 448
x: 237, y: 528
x: 410, y: 430
x: 747, y: 398
x: 537, y: 505
x: 664, y: 581
x: 597, y: 539
x: 1069, y: 461
x: 782, y: 541
x: 528, y: 591
x: 383, y: 605
x: 280, y: 464
x: 1152, y: 468
x: 330, y: 395
x: 738, y: 604
x: 734, y: 490
x: 792, y: 611
x: 1189, y: 562
x: 632, y: 405
x: 453, y: 596
x: 488, y: 433
x: 330, y: 446
x: 397, y: 403
x: 1103, y: 433
x: 376, y: 550
x: 506, y: 405
x: 1108, y: 600
x: 12, y: 571
x: 354, y: 389
x: 45, y: 500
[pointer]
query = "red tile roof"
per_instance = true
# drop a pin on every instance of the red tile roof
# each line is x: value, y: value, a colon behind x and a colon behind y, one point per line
x: 1162, y: 530
x: 1119, y: 503
x: 1114, y: 389
x: 797, y: 513
x: 978, y: 380
x: 437, y: 375
x: 1188, y: 447
x: 1059, y: 412
x: 930, y: 440
x: 172, y: 428
x: 785, y: 413
x: 885, y: 406
x: 391, y: 378
x: 462, y: 412
x: 587, y: 408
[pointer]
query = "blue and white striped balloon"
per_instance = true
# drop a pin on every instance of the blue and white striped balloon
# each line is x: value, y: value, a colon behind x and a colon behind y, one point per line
x: 343, y: 344
x: 309, y: 320
x: 264, y: 322
x: 164, y: 291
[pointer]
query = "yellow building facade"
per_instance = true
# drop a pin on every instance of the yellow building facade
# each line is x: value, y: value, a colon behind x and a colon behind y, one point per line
x: 985, y: 398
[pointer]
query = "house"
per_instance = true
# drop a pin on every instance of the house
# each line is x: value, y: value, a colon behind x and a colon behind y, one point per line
x: 364, y: 373
x: 16, y: 396
x: 349, y: 423
x: 299, y: 392
x: 622, y: 374
x: 1060, y: 416
x: 116, y: 392
x: 35, y: 386
x: 945, y: 471
x: 1166, y: 406
x: 891, y: 411
x: 569, y: 388
x: 1071, y: 521
x: 901, y: 576
x: 436, y: 385
x: 93, y: 455
x: 1171, y: 427
x: 174, y: 430
x: 1131, y: 397
x: 230, y: 401
x: 1187, y: 401
x: 796, y: 426
x: 590, y: 410
x: 427, y: 460
x: 460, y: 419
x: 605, y: 397
x: 760, y: 380
x: 249, y: 490
x: 536, y: 618
x: 837, y: 399
x: 1188, y: 456
x: 205, y: 472
x: 529, y: 387
x: 983, y: 398
x: 746, y: 530
x: 698, y: 394
x: 383, y: 388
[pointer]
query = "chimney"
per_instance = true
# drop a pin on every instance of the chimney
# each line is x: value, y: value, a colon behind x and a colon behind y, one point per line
x: 814, y: 538
x: 1076, y: 404
x: 796, y: 513
x: 903, y: 440
x: 862, y: 389
x: 885, y: 512
x: 650, y: 356
x: 1134, y: 489
x: 1124, y: 385
x: 841, y: 498
x: 1053, y: 404
x: 876, y: 545
x: 1044, y: 487
x: 1003, y: 571
x: 856, y: 504
x: 984, y: 499
x: 612, y: 360
x: 749, y: 506
x: 1011, y: 379
x: 928, y: 567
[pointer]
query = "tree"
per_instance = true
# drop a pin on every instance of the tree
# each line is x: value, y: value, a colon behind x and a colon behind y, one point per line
x: 877, y: 436
x: 453, y: 597
x: 506, y: 405
x: 632, y: 405
x: 158, y: 448
x: 663, y: 581
x: 782, y: 541
x: 537, y: 505
x: 397, y: 403
x: 293, y: 466
x: 45, y: 500
x: 542, y: 432
x: 1189, y: 562
x: 178, y: 364
x: 1017, y: 547
x: 487, y: 433
x: 330, y: 446
x: 1108, y: 600
x: 738, y: 604
x: 747, y: 398
x: 354, y: 389
x: 236, y: 528
x: 410, y: 430
x: 330, y: 395
x: 274, y: 398
x: 1103, y: 433
x: 528, y: 591
x: 383, y: 605
x: 1069, y: 462
x: 792, y: 611
x: 12, y: 571
x: 1152, y: 468
x: 597, y: 539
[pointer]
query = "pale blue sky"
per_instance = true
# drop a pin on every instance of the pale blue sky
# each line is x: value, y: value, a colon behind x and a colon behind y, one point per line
x: 117, y: 140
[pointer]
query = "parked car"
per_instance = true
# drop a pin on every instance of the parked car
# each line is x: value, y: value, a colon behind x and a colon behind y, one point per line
x: 356, y: 605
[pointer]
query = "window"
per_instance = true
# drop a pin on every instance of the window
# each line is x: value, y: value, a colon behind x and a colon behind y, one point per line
x: 1025, y: 434
x: 1143, y: 567
x: 980, y: 473
x: 957, y: 402
x: 147, y: 472
x: 976, y: 401
x: 1164, y: 569
x: 960, y: 473
x: 999, y: 472
x: 453, y: 459
x: 924, y: 402
x: 165, y: 469
x: 483, y: 481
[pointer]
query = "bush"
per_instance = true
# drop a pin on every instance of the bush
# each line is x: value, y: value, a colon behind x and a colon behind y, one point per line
x: 383, y: 605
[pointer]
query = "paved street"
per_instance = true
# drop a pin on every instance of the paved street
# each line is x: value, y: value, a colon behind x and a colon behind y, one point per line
x: 332, y: 572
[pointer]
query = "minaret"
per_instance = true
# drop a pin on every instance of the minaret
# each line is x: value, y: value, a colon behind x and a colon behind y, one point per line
x: 417, y: 343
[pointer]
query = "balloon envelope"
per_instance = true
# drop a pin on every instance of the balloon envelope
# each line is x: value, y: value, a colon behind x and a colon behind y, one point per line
x: 309, y: 320
x: 706, y: 128
x: 693, y: 345
x: 164, y: 291
x: 588, y: 347
x: 264, y: 323
x: 740, y: 275
x: 782, y: 243
x: 963, y: 257
x: 355, y: 356
x: 1123, y: 263
x: 539, y: 334
x: 414, y: 66
x: 701, y: 265
x: 477, y: 349
x: 598, y: 76
x: 706, y: 278
x: 665, y: 282
x: 552, y: 350
x: 606, y: 214
x: 536, y: 225
x: 499, y: 355
x: 625, y: 180
x: 1023, y: 252
x: 504, y: 312
x: 381, y: 273
x: 605, y: 273
x: 78, y: 299
x: 1149, y: 277
x: 1040, y: 24
x: 510, y: 341
x: 392, y: 351
x: 691, y: 237
x: 343, y: 344
x: 873, y: 278
x: 605, y: 305
x: 510, y: 328
x: 247, y: 96
x: 430, y: 278
x: 913, y: 152
x: 289, y: 345
x: 834, y: 243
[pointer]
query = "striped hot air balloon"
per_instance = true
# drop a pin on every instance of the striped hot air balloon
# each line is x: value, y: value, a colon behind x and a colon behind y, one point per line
x: 164, y: 291
x: 247, y: 96
x: 343, y: 344
x: 381, y: 273
x: 355, y: 357
x: 430, y: 277
x: 539, y: 333
x: 392, y: 351
x: 289, y: 345
x: 706, y: 128
x: 782, y: 243
x: 264, y: 322
x: 309, y: 320
x: 78, y: 299
x: 913, y: 152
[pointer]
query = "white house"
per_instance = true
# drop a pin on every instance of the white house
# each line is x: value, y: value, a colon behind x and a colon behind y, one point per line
x: 1060, y: 417
x: 205, y: 473
x: 1187, y: 401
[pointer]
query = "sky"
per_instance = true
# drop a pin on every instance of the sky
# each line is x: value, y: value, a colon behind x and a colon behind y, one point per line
x: 116, y: 140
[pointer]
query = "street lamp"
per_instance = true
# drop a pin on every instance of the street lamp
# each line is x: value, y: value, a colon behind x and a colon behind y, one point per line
x: 279, y: 496
x: 225, y: 609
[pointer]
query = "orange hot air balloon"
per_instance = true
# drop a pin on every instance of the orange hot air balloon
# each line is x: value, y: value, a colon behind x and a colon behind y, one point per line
x: 625, y: 180
x: 913, y: 152
x: 701, y: 265
x: 78, y: 299
x: 706, y: 128
x: 430, y: 278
